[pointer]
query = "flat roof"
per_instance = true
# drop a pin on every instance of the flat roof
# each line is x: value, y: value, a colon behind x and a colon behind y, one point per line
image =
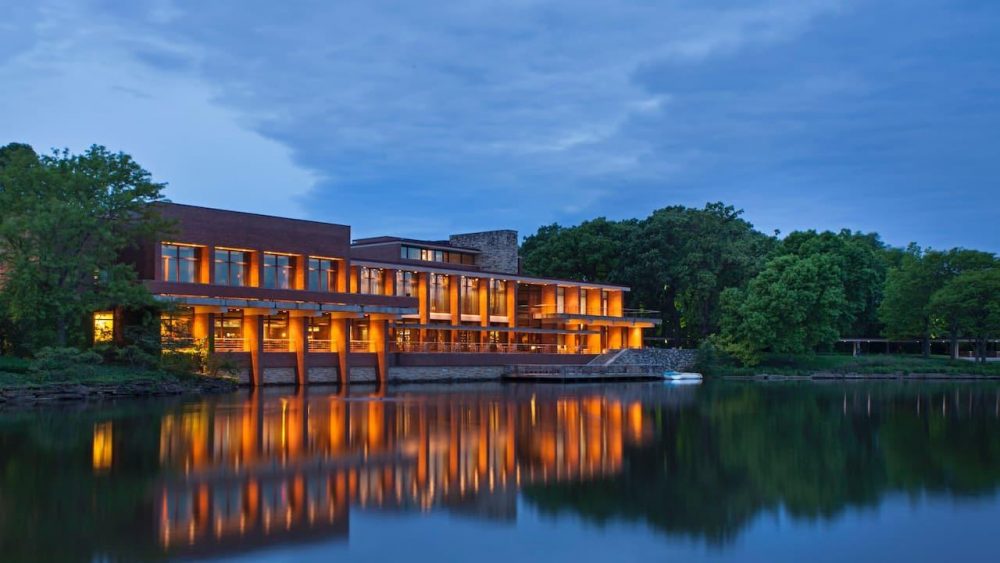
x: 442, y: 244
x: 219, y: 210
x: 486, y: 273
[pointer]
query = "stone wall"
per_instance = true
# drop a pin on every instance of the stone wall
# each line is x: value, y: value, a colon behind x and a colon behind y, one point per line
x: 498, y: 248
x: 678, y: 359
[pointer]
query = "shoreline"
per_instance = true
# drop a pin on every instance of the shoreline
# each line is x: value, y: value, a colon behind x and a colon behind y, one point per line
x: 827, y: 376
x: 66, y: 393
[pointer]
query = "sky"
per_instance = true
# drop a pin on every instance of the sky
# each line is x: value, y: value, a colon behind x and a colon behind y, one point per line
x: 422, y: 119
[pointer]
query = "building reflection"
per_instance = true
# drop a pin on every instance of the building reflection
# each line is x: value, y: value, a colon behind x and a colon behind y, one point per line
x: 290, y: 467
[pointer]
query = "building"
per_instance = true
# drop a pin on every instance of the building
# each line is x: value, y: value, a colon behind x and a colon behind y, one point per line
x: 297, y: 302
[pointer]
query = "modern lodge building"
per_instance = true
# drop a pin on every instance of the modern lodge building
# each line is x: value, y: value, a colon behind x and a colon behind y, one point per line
x: 296, y: 301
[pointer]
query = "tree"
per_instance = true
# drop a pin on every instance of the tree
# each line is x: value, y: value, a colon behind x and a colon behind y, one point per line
x: 905, y: 308
x: 862, y: 263
x: 970, y: 303
x: 793, y: 306
x: 591, y: 251
x: 65, y: 221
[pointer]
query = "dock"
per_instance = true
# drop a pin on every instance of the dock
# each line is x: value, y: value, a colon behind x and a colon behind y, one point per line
x: 578, y: 373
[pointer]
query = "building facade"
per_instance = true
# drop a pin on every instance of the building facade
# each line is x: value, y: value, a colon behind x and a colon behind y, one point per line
x: 297, y: 302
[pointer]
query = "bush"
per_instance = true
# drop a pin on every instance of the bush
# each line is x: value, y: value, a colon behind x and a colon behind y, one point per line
x: 136, y: 356
x: 65, y: 363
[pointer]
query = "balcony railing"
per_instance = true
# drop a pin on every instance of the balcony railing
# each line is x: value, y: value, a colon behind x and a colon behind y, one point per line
x: 320, y: 345
x: 229, y: 345
x: 482, y: 348
x: 275, y: 344
x: 360, y: 346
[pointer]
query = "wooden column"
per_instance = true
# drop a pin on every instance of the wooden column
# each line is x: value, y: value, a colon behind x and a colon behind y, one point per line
x: 389, y: 282
x: 377, y: 343
x: 424, y: 302
x: 206, y: 264
x: 511, y: 310
x: 298, y: 338
x: 454, y: 304
x: 341, y: 333
x: 253, y: 334
x: 616, y: 339
x: 635, y: 337
x: 484, y: 308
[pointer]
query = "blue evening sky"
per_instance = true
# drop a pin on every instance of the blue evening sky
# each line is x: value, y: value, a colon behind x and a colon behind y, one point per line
x: 426, y: 118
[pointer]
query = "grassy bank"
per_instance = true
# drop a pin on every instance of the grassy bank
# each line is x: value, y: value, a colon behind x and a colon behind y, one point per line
x: 862, y: 365
x: 18, y: 373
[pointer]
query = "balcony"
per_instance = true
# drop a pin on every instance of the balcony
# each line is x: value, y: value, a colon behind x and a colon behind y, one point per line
x: 276, y: 345
x: 628, y: 317
x: 481, y: 348
x: 230, y: 344
x: 320, y: 345
x: 360, y: 346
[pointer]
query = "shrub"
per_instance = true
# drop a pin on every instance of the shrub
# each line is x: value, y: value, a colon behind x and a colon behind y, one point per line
x: 65, y: 363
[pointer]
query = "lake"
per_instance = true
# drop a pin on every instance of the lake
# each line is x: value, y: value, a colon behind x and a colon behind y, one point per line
x: 725, y: 471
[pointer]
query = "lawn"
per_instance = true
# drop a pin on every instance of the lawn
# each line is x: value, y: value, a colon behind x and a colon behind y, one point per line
x: 876, y: 364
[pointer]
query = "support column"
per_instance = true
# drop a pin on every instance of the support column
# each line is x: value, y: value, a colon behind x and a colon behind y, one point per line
x: 616, y: 340
x: 377, y: 343
x: 454, y: 305
x: 341, y: 333
x: 298, y: 338
x: 511, y: 311
x: 424, y: 302
x: 253, y: 334
x: 635, y: 337
x: 484, y: 309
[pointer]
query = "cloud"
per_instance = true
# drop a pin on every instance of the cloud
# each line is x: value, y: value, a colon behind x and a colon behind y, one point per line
x: 427, y: 118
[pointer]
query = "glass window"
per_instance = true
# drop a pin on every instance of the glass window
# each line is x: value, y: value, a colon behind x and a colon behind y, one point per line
x: 232, y: 267
x: 177, y: 325
x: 180, y: 263
x: 322, y: 274
x: 371, y: 281
x: 279, y: 271
x: 560, y: 299
x: 406, y: 284
x: 228, y: 332
x: 276, y: 326
x: 440, y: 300
x: 604, y: 302
x: 583, y: 301
x: 470, y: 296
x: 498, y: 298
x: 104, y: 326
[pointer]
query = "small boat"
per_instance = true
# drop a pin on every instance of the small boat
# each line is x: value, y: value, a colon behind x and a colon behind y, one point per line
x: 681, y: 377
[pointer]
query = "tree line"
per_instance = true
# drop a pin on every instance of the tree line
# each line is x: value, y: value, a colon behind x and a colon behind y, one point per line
x: 714, y: 278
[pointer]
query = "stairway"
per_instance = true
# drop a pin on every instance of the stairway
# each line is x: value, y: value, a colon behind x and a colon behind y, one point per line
x: 607, y: 358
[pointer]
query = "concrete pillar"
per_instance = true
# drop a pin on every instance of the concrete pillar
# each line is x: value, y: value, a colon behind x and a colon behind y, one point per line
x: 253, y: 334
x: 389, y: 282
x: 594, y: 302
x: 424, y: 302
x: 206, y: 265
x: 454, y: 305
x: 572, y: 300
x: 511, y: 310
x: 484, y: 308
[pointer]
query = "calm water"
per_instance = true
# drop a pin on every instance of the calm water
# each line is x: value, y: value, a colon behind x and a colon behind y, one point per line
x: 650, y: 472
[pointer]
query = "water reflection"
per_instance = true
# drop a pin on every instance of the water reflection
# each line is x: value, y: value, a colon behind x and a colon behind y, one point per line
x: 233, y: 474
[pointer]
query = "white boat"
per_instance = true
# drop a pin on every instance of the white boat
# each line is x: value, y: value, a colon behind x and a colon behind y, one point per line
x: 681, y: 377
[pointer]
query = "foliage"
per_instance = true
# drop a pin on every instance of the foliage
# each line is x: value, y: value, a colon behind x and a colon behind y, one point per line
x: 66, y: 219
x: 58, y: 364
x: 909, y: 288
x: 793, y: 306
x: 845, y: 364
x: 970, y: 303
x: 861, y: 262
x: 677, y: 261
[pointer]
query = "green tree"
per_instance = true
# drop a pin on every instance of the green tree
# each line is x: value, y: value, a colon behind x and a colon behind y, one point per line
x: 862, y: 263
x: 591, y: 251
x: 970, y: 304
x: 65, y: 219
x: 795, y: 305
x: 905, y: 308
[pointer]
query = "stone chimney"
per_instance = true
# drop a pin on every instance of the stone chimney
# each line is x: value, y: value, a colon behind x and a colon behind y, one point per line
x: 498, y: 249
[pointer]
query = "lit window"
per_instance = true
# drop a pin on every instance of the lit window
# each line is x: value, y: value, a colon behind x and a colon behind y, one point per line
x: 371, y: 281
x: 322, y: 274
x: 498, y: 298
x: 104, y: 326
x: 180, y: 263
x: 440, y: 300
x: 470, y: 296
x: 406, y: 284
x: 232, y: 267
x: 279, y: 271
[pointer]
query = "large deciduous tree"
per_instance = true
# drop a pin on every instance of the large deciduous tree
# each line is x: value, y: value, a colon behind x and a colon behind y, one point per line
x: 64, y: 221
x: 969, y: 304
x: 905, y: 308
x: 793, y: 306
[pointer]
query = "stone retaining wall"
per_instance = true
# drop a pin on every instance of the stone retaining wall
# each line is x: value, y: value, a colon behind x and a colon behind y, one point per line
x: 679, y: 359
